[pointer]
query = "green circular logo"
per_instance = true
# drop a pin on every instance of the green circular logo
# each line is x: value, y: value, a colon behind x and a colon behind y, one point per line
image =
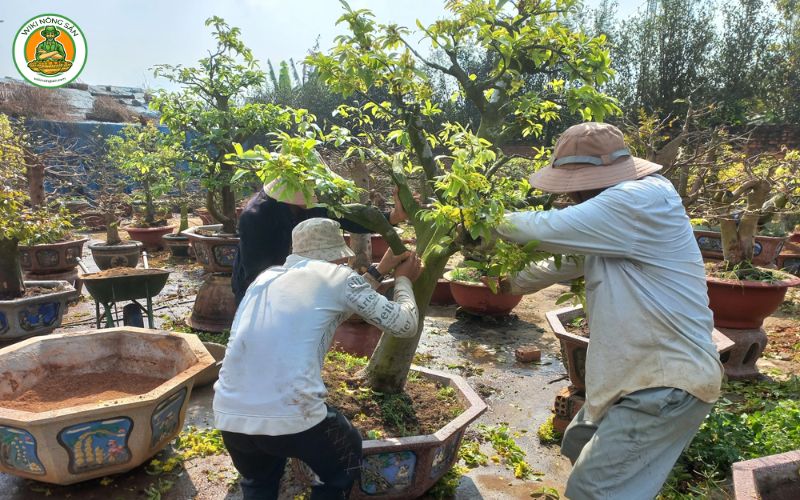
x: 49, y: 50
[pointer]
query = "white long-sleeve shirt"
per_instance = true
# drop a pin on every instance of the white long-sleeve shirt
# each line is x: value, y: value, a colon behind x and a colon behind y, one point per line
x: 271, y: 378
x: 647, y: 302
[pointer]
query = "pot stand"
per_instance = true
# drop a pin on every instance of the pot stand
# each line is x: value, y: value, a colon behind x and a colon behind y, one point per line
x: 215, y: 305
x: 740, y: 361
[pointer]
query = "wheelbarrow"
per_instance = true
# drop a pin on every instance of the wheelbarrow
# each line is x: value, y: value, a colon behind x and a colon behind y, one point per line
x: 125, y: 284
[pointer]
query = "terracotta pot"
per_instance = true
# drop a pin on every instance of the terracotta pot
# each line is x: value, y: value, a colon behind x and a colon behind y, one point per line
x: 407, y: 467
x: 357, y: 337
x: 37, y: 315
x: 122, y: 255
x: 95, y: 439
x: 211, y: 373
x: 442, y: 294
x: 773, y: 477
x: 178, y: 245
x: 765, y: 251
x: 51, y: 258
x: 745, y: 304
x: 574, y: 347
x: 478, y: 299
x: 795, y: 238
x: 151, y: 237
x: 215, y: 253
x: 215, y: 305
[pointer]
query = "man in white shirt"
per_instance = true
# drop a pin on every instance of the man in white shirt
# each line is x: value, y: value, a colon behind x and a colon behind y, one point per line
x: 269, y: 401
x: 652, y: 370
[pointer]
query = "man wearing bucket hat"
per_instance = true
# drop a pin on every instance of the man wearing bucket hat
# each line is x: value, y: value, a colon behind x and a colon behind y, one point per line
x: 652, y: 370
x: 269, y: 401
x: 265, y: 231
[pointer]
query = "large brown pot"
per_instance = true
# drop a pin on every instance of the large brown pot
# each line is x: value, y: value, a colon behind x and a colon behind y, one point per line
x: 215, y: 253
x: 478, y: 298
x: 442, y: 294
x: 151, y: 237
x: 789, y: 258
x: 357, y: 337
x: 745, y: 304
x: 215, y: 305
x: 407, y: 467
x: 120, y: 255
x: 51, y: 258
x: 765, y: 249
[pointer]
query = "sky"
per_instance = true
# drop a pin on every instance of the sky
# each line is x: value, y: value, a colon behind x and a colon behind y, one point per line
x: 127, y: 37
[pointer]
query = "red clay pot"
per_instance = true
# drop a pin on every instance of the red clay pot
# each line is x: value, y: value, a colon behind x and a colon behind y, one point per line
x: 789, y: 259
x: 357, y: 337
x: 442, y: 294
x: 151, y: 237
x: 478, y: 299
x: 745, y: 304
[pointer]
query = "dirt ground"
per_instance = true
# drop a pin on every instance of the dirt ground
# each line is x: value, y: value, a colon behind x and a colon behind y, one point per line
x: 520, y: 395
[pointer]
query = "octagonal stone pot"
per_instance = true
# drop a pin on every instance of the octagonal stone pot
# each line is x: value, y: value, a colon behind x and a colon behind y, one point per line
x: 407, y: 467
x: 574, y: 347
x: 72, y: 444
x: 215, y: 253
x: 774, y: 477
x: 765, y: 248
x: 37, y: 315
x: 51, y: 258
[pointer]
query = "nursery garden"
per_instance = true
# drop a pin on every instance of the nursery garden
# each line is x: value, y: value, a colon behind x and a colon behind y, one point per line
x: 119, y: 236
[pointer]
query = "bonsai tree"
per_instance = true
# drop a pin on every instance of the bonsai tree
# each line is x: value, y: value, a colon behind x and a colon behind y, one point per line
x: 745, y: 194
x: 18, y: 220
x: 149, y: 157
x: 211, y: 110
x: 527, y: 42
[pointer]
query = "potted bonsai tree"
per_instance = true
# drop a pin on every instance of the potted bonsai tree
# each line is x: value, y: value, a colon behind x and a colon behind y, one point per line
x: 740, y: 293
x: 212, y: 111
x: 521, y: 40
x: 26, y: 307
x: 148, y: 156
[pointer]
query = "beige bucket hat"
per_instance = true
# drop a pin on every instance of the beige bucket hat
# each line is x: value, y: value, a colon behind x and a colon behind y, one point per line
x: 590, y: 156
x: 320, y: 239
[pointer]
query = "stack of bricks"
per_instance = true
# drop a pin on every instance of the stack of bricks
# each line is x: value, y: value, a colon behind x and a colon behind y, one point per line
x: 568, y: 402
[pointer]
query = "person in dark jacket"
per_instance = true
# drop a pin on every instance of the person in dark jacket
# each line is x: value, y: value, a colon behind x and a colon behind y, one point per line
x: 265, y: 232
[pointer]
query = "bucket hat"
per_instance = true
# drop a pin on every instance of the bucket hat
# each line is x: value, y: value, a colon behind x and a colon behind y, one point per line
x: 50, y: 30
x: 319, y: 239
x: 590, y: 156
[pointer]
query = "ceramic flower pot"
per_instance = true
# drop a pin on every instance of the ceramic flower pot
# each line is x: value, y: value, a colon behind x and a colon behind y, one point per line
x: 51, y: 258
x: 215, y: 253
x: 765, y: 249
x: 151, y: 237
x: 178, y: 245
x: 479, y: 299
x: 745, y: 304
x: 442, y: 294
x: 407, y: 467
x: 789, y: 258
x: 211, y: 373
x: 121, y: 255
x: 36, y: 315
x: 357, y: 337
x: 74, y: 437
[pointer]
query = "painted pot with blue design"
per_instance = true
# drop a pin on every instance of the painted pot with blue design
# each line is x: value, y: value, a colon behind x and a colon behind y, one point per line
x: 52, y: 257
x: 407, y: 467
x: 37, y: 314
x: 765, y: 248
x: 80, y: 435
x: 214, y: 252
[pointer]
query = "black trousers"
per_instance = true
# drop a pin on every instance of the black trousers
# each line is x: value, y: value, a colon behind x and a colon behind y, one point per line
x: 331, y: 448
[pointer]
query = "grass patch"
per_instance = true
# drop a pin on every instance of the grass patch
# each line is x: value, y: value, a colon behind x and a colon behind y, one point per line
x: 508, y: 452
x: 547, y: 433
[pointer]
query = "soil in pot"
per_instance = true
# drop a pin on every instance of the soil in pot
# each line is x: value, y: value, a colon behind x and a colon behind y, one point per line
x: 63, y: 389
x: 578, y: 326
x: 423, y: 407
x: 35, y: 291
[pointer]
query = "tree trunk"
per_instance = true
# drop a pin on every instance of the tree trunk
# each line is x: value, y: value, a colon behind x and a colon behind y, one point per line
x: 184, y: 217
x: 149, y: 208
x: 388, y: 367
x: 35, y: 174
x: 12, y: 285
x: 112, y: 231
x: 361, y: 244
x: 738, y: 240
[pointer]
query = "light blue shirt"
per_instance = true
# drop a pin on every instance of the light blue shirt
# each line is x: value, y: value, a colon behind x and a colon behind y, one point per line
x: 646, y: 297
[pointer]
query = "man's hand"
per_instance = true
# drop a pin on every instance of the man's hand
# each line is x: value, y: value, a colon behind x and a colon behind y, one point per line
x: 390, y: 261
x: 398, y: 213
x: 411, y: 268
